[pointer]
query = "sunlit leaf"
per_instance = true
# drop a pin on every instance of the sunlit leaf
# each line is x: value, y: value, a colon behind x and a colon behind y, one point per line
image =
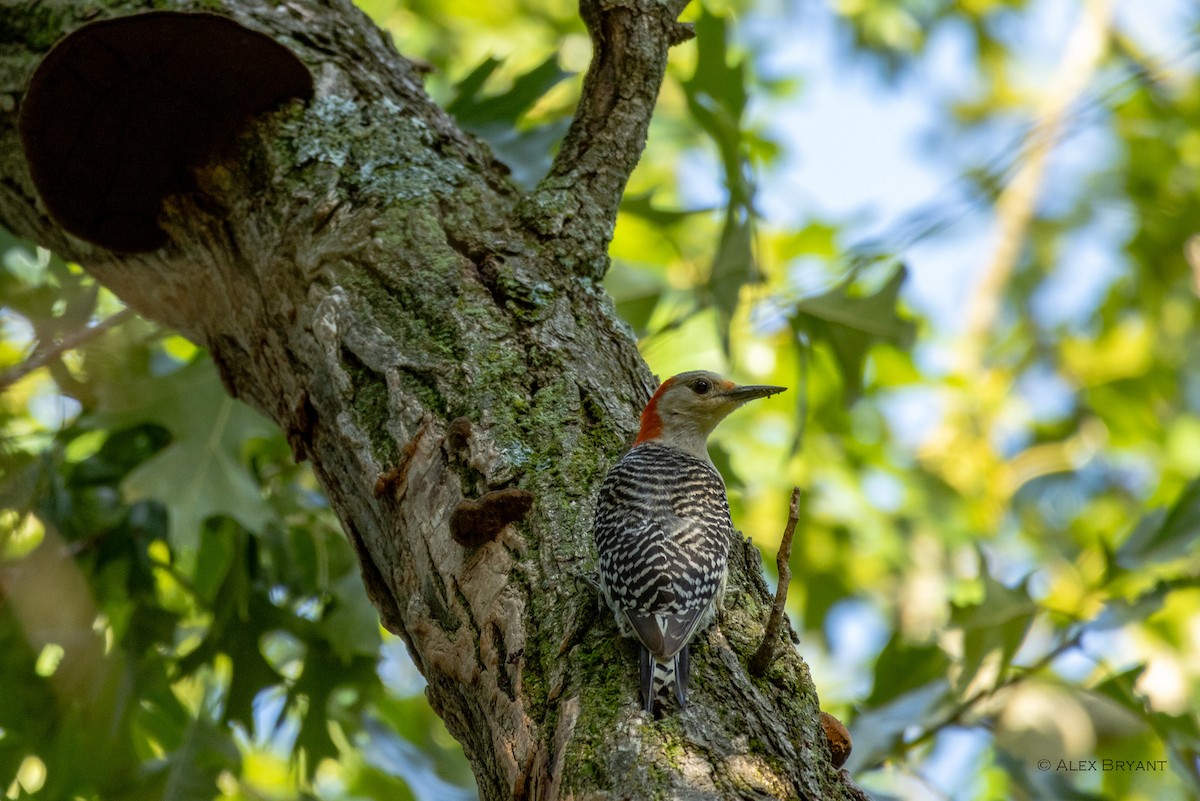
x: 1119, y: 612
x: 996, y: 625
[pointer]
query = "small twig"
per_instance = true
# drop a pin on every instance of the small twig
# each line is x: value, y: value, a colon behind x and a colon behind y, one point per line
x: 767, y: 651
x: 43, y: 356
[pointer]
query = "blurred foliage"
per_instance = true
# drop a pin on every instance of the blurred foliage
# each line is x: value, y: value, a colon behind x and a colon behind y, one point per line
x: 175, y: 593
x: 996, y: 576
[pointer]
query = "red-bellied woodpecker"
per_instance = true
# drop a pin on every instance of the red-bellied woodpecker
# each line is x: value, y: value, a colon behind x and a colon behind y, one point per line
x: 663, y: 527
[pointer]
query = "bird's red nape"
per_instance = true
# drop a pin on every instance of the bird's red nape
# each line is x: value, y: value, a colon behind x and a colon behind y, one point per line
x: 651, y: 421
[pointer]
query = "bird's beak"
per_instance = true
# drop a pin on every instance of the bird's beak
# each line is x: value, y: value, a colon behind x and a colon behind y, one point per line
x: 748, y: 393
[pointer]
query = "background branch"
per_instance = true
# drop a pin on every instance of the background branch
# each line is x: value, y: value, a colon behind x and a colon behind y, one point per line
x: 1017, y: 202
x: 45, y: 353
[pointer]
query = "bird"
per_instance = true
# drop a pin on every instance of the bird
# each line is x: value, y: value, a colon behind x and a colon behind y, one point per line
x: 663, y: 530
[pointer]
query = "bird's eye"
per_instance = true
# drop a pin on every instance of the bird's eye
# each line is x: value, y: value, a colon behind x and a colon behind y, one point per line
x: 701, y: 387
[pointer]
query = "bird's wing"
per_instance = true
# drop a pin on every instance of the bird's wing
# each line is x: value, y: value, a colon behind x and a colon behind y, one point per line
x: 672, y: 597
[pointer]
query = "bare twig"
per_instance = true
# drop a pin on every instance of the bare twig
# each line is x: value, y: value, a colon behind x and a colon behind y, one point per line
x: 767, y: 651
x: 43, y: 356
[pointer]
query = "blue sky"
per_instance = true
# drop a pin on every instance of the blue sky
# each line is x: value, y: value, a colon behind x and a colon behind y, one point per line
x: 862, y: 149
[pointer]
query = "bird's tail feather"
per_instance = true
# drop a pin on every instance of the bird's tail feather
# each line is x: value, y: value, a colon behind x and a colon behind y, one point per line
x: 661, y: 677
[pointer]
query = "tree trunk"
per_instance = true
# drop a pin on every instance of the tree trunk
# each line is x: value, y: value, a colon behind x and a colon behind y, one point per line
x: 437, y: 343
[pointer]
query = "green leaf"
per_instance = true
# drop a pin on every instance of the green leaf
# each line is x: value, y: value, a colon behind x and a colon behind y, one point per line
x: 732, y: 267
x: 192, y: 769
x: 200, y: 474
x: 851, y: 324
x: 473, y: 112
x: 528, y: 153
x: 1118, y: 612
x: 637, y: 310
x: 716, y: 98
x: 324, y: 672
x: 466, y: 90
x: 1119, y: 688
x: 903, y: 667
x: 28, y: 698
x: 241, y: 616
x: 351, y: 627
x: 213, y: 562
x: 816, y: 239
x: 494, y: 118
x: 643, y: 206
x: 1162, y: 537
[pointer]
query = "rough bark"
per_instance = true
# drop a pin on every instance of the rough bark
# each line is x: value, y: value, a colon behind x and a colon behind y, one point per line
x: 364, y: 273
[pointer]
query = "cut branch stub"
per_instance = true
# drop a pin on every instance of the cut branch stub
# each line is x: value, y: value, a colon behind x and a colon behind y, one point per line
x: 120, y: 109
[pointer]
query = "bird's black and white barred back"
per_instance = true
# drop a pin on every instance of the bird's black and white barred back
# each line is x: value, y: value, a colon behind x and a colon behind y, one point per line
x: 663, y: 528
x: 663, y: 533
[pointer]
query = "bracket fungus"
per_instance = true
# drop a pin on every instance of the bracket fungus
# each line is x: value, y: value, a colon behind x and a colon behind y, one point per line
x: 119, y: 111
x: 474, y: 523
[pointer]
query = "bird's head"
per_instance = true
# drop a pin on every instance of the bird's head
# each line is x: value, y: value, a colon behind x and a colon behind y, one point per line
x: 687, y: 407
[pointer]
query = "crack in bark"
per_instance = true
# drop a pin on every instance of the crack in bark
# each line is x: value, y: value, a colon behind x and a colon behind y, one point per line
x: 503, y: 681
x: 465, y: 603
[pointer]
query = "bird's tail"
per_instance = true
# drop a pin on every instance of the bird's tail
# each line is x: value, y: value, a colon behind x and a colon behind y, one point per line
x: 660, y: 677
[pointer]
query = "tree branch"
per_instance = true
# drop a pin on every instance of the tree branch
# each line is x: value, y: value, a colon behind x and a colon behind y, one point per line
x: 1016, y: 206
x: 576, y: 203
x: 358, y: 269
